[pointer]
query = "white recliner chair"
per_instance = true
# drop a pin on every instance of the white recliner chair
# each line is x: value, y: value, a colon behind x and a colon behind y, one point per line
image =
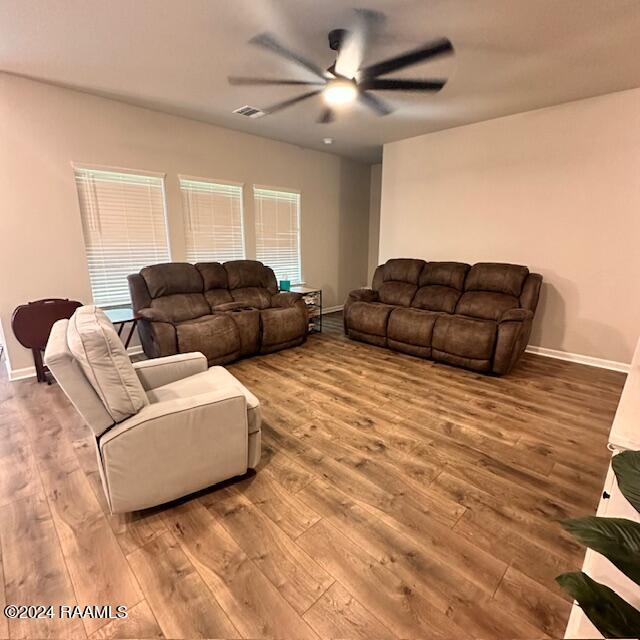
x: 163, y: 428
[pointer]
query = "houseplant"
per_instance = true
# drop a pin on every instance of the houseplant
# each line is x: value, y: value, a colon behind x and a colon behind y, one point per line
x: 618, y: 539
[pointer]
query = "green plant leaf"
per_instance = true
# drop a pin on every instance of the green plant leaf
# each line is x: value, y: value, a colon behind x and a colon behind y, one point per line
x: 617, y: 539
x: 610, y: 614
x: 626, y: 466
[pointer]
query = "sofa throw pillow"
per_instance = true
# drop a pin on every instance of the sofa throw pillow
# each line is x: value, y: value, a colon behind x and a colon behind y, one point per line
x: 97, y: 348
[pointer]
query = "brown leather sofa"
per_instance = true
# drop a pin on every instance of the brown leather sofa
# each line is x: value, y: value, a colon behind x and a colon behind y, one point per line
x: 225, y: 311
x: 478, y: 317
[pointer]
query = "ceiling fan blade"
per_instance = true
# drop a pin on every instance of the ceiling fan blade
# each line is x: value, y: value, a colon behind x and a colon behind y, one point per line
x: 240, y: 80
x: 381, y: 84
x: 269, y: 42
x: 431, y: 50
x: 358, y: 39
x: 328, y: 115
x: 374, y: 103
x: 291, y: 101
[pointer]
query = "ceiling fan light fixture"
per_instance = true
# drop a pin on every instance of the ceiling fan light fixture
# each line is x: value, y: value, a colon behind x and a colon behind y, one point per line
x: 340, y: 92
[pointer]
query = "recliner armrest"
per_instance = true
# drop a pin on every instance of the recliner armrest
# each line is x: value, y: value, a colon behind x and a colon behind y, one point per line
x: 516, y: 315
x: 363, y: 295
x: 157, y: 372
x: 173, y: 448
x: 153, y: 315
x: 285, y: 299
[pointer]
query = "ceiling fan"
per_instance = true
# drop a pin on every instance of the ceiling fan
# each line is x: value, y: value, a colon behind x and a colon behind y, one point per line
x: 347, y: 79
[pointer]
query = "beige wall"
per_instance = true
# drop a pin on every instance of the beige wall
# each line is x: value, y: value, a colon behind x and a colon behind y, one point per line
x: 375, y: 192
x: 556, y: 189
x: 44, y: 128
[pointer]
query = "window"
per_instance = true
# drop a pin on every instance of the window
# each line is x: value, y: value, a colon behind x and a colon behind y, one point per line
x: 278, y: 232
x: 124, y: 226
x: 213, y: 220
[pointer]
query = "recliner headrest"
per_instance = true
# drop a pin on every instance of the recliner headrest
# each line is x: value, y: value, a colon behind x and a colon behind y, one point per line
x: 496, y: 276
x: 403, y: 270
x: 172, y: 277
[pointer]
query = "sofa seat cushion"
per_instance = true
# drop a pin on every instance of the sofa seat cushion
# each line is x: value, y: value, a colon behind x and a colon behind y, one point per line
x: 282, y: 325
x: 498, y: 277
x: 396, y: 293
x: 257, y: 297
x: 464, y: 337
x: 369, y: 317
x: 411, y: 326
x: 489, y: 305
x: 216, y: 336
x: 97, y: 348
x: 214, y: 379
x: 179, y: 307
x: 436, y: 297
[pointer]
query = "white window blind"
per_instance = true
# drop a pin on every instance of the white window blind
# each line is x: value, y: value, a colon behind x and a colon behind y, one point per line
x: 278, y: 232
x: 213, y: 220
x: 124, y: 226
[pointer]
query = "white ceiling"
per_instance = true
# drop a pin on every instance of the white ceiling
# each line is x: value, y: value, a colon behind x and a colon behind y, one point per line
x: 175, y: 56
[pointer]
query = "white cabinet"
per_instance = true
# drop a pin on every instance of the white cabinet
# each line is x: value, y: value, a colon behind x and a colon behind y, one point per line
x: 625, y: 434
x: 600, y: 569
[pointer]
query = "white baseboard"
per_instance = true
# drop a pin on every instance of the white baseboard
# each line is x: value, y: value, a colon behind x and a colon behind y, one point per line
x: 339, y: 307
x: 21, y: 374
x: 579, y: 358
x: 30, y: 372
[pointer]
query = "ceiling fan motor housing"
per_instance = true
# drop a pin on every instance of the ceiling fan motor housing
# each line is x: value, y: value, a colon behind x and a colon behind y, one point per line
x: 336, y: 38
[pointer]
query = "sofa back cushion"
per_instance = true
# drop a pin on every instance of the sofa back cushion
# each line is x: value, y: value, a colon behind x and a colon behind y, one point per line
x: 498, y: 277
x: 440, y: 286
x: 251, y: 283
x: 250, y: 273
x: 216, y: 283
x: 175, y: 289
x: 491, y: 289
x: 182, y: 306
x: 97, y: 348
x: 397, y: 293
x: 489, y: 305
x: 72, y: 380
x: 403, y: 270
x: 214, y: 275
x: 397, y: 280
x: 444, y: 274
x: 172, y: 277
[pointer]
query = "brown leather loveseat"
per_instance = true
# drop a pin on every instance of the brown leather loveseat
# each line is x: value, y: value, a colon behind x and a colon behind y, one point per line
x: 225, y: 311
x: 477, y: 316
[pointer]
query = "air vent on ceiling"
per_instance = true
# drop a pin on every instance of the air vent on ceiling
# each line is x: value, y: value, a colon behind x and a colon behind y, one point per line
x: 250, y: 112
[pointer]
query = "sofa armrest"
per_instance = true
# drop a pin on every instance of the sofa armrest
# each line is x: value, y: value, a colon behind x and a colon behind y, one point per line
x: 285, y: 299
x: 173, y: 448
x: 153, y: 315
x: 363, y: 295
x: 157, y: 372
x: 516, y: 315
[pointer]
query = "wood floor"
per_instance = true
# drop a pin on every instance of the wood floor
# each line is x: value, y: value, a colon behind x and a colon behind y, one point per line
x: 396, y: 498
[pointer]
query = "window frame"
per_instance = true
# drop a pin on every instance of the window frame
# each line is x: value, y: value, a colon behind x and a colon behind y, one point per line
x: 297, y: 192
x: 230, y: 183
x: 162, y: 176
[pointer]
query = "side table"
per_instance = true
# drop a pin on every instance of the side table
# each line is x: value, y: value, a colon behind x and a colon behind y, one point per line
x: 119, y: 318
x: 313, y: 299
